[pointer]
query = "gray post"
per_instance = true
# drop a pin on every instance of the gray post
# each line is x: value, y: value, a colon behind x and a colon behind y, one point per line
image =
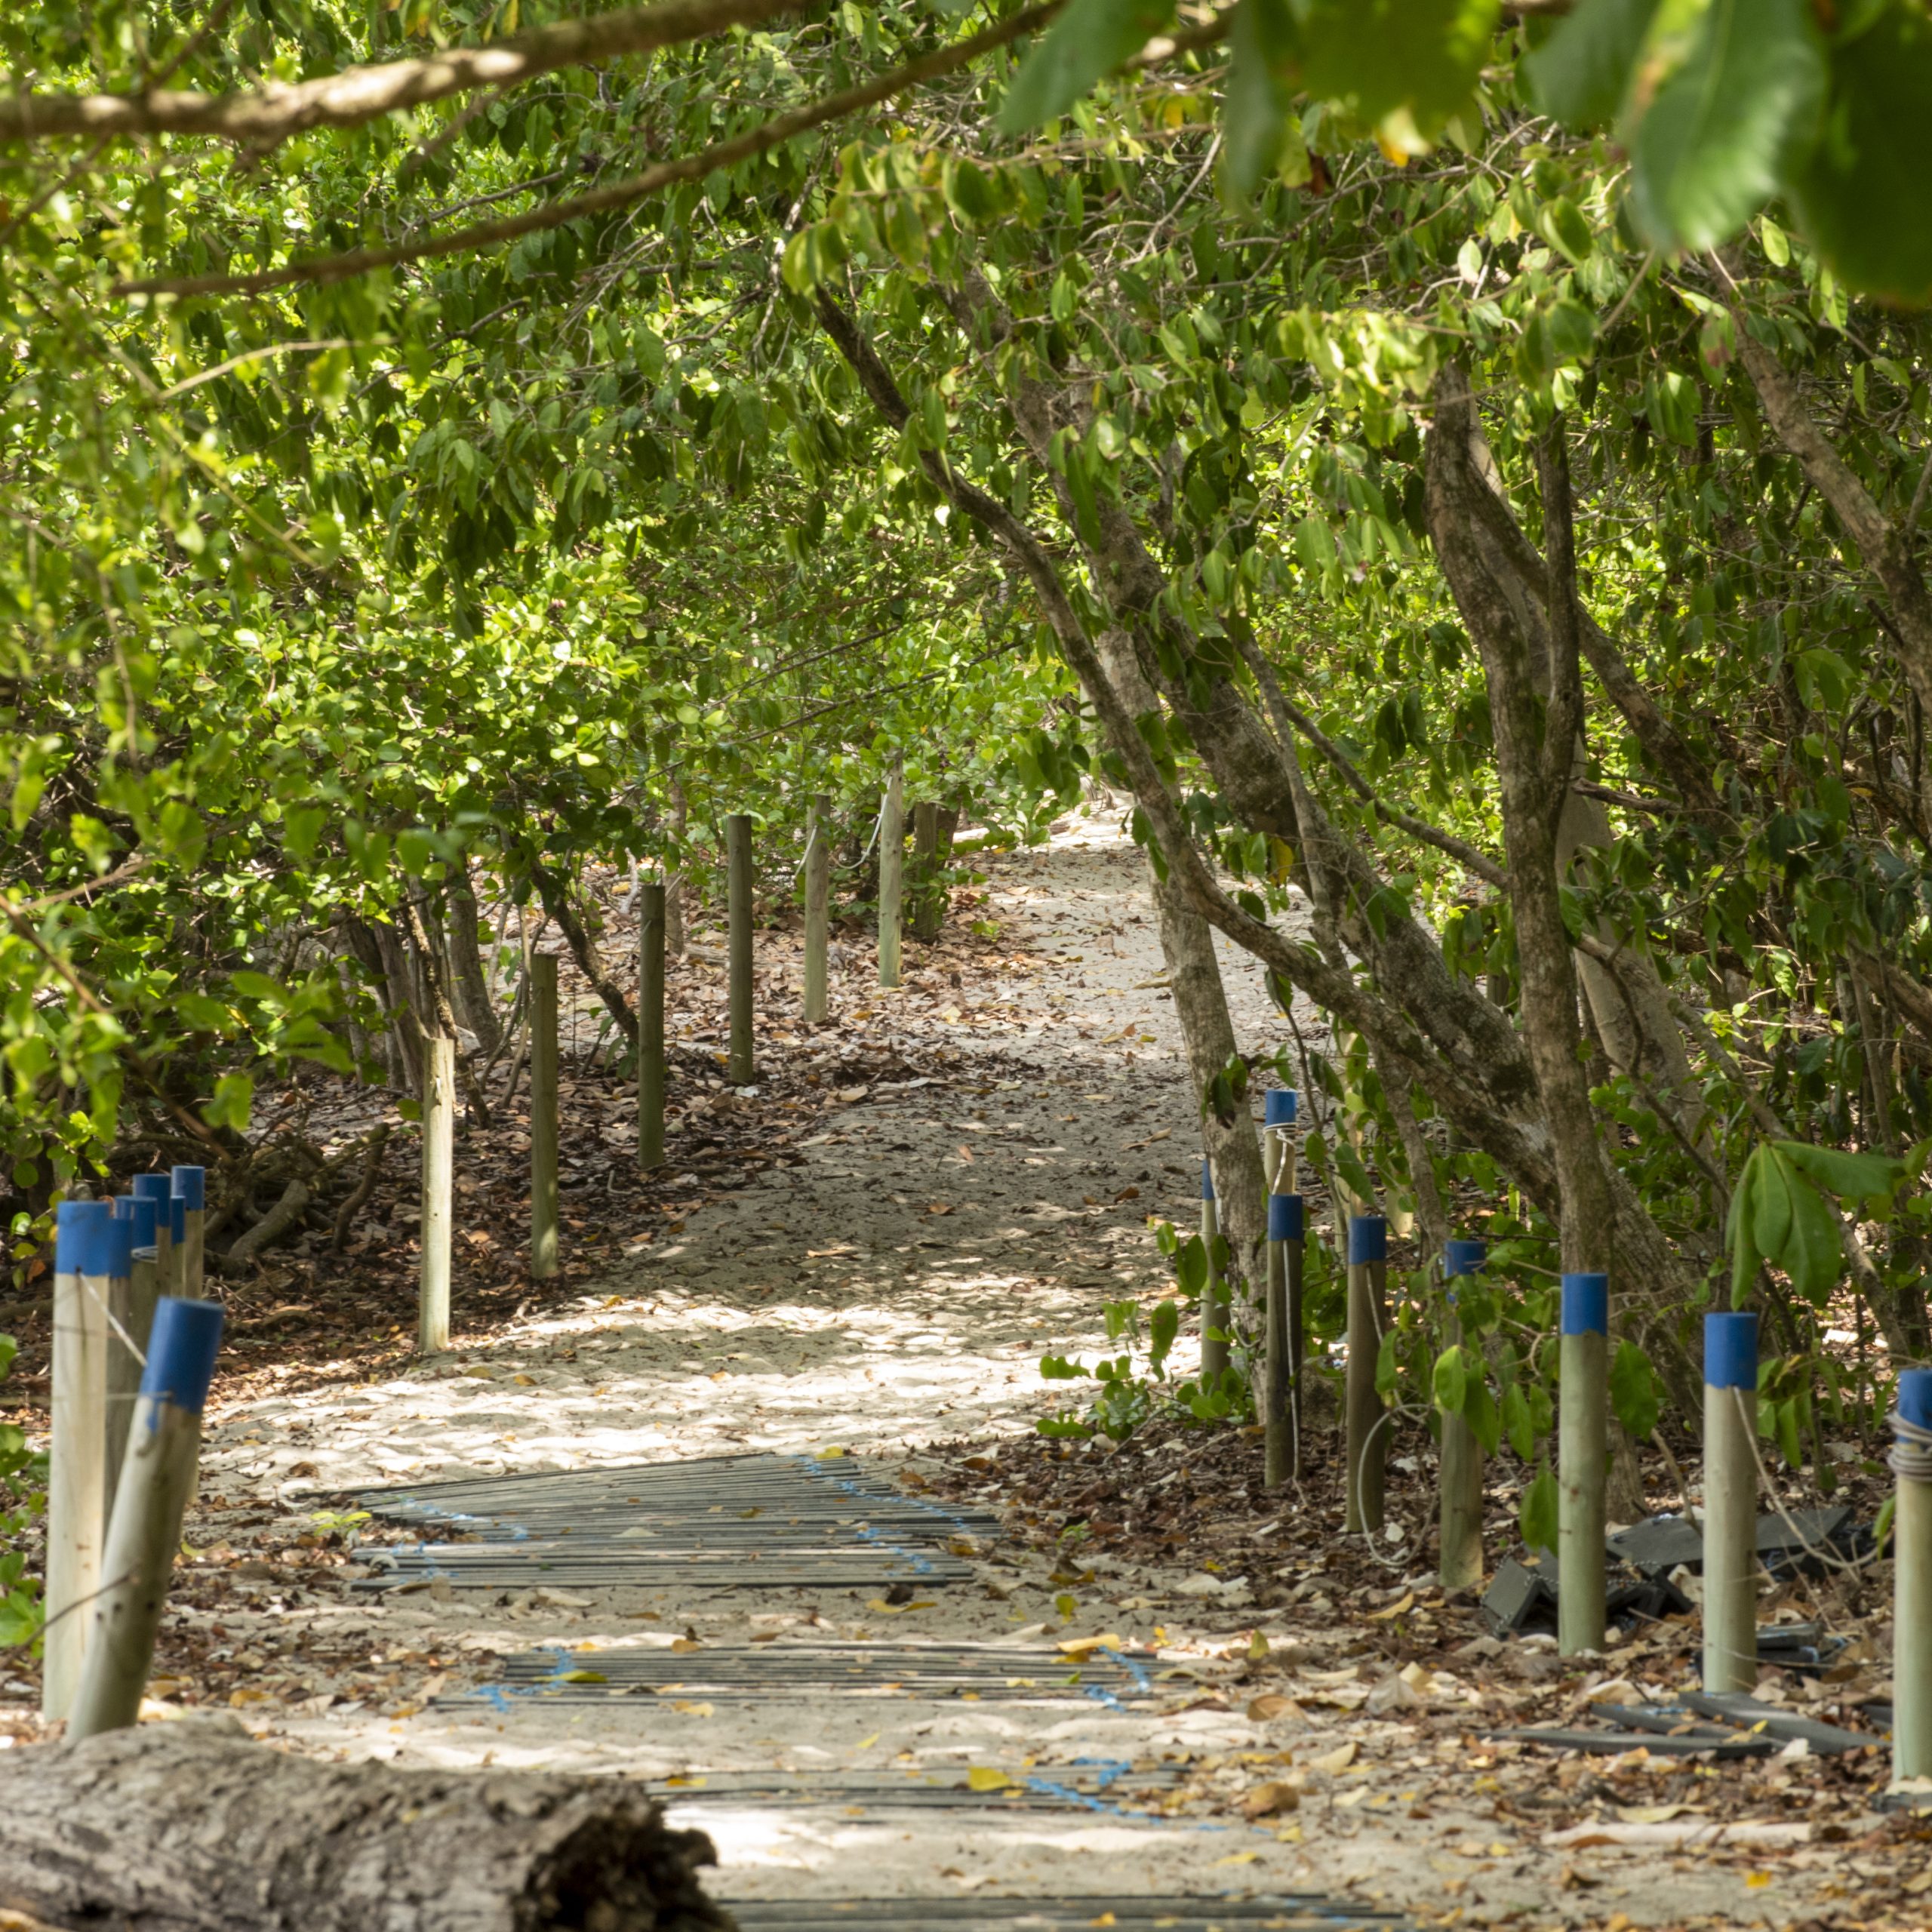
x: 1366, y: 1440
x: 131, y: 1300
x: 1460, y: 1567
x: 1731, y: 1504
x: 1582, y: 1447
x: 1912, y: 1578
x: 740, y: 1070
x: 156, y: 1482
x: 650, y: 1026
x: 433, y: 1324
x: 544, y: 1133
x: 891, y: 874
x: 818, y: 907
x: 1215, y: 1313
x: 90, y: 1249
x: 191, y: 1190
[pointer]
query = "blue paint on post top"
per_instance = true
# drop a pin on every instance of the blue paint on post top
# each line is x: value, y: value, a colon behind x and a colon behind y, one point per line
x: 1278, y: 1107
x: 151, y: 1187
x: 1916, y: 1397
x: 181, y: 1351
x: 1586, y: 1304
x: 142, y: 1212
x: 177, y: 1219
x: 1206, y: 1182
x: 120, y: 1240
x: 1368, y: 1239
x: 81, y: 1245
x: 1731, y: 1351
x: 1464, y: 1257
x: 1285, y: 1217
x: 192, y: 1185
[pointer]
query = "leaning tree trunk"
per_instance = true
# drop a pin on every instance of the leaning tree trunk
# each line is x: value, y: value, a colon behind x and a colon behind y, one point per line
x: 469, y: 983
x: 186, y: 1828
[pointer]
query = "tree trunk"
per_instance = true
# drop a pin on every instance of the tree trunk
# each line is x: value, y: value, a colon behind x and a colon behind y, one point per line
x: 469, y: 983
x: 555, y: 892
x: 186, y: 1828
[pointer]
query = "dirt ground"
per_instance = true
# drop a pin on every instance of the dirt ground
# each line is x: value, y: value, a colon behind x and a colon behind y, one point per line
x: 924, y: 1226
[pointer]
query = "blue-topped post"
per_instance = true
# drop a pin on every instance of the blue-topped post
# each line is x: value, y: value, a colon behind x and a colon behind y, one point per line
x: 1278, y: 1107
x: 163, y: 1449
x: 1583, y: 1448
x: 191, y: 1190
x: 1912, y: 1578
x: 1731, y: 1503
x: 1366, y: 1440
x: 1460, y: 1505
x: 1215, y: 1314
x: 160, y: 1190
x: 90, y: 1248
x: 1281, y: 1415
x: 131, y: 1300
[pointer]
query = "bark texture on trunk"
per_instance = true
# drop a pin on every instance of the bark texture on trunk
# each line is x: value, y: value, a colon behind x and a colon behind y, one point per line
x: 555, y: 891
x: 469, y: 983
x: 186, y: 1827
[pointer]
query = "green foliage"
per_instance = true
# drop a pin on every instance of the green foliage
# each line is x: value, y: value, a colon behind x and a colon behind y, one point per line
x: 1126, y: 1395
x: 1781, y: 1212
x: 22, y: 1498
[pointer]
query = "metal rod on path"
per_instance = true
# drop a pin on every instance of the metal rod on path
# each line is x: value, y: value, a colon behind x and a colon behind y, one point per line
x: 156, y: 1480
x: 1366, y: 1440
x: 89, y: 1248
x: 1460, y: 1565
x: 891, y: 874
x: 1214, y: 1314
x: 650, y: 1025
x: 131, y: 1300
x: 191, y: 1186
x: 160, y: 1190
x: 432, y: 1318
x: 1731, y: 1503
x: 1281, y: 1387
x: 1582, y: 1444
x: 818, y: 907
x: 544, y: 1133
x: 740, y: 1069
x: 1912, y: 1578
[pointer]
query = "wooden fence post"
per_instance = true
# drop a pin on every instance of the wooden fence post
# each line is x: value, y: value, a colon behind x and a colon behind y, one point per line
x: 741, y: 1069
x: 160, y: 1190
x: 818, y: 908
x: 1460, y: 1563
x: 1365, y: 1436
x: 891, y: 874
x: 432, y: 1326
x: 90, y: 1249
x: 131, y: 1301
x: 1582, y: 1444
x: 191, y: 1186
x: 1282, y: 1388
x: 544, y: 1131
x: 650, y: 1025
x: 1215, y: 1312
x: 156, y: 1481
x: 1731, y: 1506
x: 1911, y: 1576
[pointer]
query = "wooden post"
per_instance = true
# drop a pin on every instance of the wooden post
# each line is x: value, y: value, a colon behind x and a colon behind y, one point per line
x: 1277, y: 1146
x: 160, y: 1190
x: 891, y: 874
x: 131, y: 1300
x: 1367, y: 1441
x: 1215, y: 1313
x: 191, y: 1188
x: 650, y: 1027
x: 926, y: 909
x: 433, y: 1325
x: 1460, y: 1566
x: 155, y: 1483
x: 741, y: 1070
x: 1730, y: 1504
x: 818, y: 907
x: 1583, y: 1446
x: 90, y: 1249
x: 544, y: 1131
x: 1281, y: 1412
x: 1912, y: 1576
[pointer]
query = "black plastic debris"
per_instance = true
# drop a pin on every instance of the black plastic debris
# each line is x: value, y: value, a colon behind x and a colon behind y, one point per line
x: 1727, y: 1726
x: 1522, y: 1600
x: 1787, y: 1542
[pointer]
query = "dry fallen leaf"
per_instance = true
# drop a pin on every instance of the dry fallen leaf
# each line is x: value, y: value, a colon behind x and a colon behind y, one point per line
x: 693, y: 1710
x: 987, y: 1778
x: 1265, y: 1800
x: 1081, y: 1647
x: 685, y: 1644
x: 1394, y: 1609
x: 1271, y: 1704
x: 1339, y: 1759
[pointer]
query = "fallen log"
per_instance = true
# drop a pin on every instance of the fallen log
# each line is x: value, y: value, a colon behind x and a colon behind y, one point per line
x: 191, y: 1827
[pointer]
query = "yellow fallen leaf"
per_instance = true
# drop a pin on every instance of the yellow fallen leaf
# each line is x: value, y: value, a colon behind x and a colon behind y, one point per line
x: 1238, y: 1858
x: 1339, y: 1759
x: 866, y: 1743
x: 1271, y: 1704
x: 1265, y: 1800
x: 1080, y: 1647
x: 693, y: 1710
x: 583, y: 1677
x: 987, y: 1778
x: 527, y: 1381
x: 1756, y: 1880
x: 1394, y: 1609
x: 833, y: 1450
x: 1652, y: 1814
x: 885, y: 1609
x: 686, y: 1643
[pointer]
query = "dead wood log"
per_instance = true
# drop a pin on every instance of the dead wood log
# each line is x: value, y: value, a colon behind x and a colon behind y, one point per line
x: 187, y: 1827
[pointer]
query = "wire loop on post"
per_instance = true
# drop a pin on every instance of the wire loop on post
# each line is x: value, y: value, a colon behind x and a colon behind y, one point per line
x: 1910, y: 1456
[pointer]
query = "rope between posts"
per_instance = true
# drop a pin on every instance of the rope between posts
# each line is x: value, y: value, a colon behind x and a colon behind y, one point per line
x: 1850, y: 1565
x: 1910, y: 1456
x: 127, y: 1341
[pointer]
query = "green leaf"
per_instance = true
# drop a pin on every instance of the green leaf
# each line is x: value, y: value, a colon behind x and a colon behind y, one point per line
x: 1484, y: 1419
x: 1536, y: 1513
x: 1090, y: 39
x: 1162, y: 1328
x: 1859, y: 192
x: 1451, y: 1380
x: 1381, y: 56
x: 1581, y: 74
x: 234, y: 1096
x: 1516, y: 1424
x: 1706, y: 154
x: 1813, y: 1254
x: 1190, y: 1266
x: 1258, y: 121
x: 1633, y: 1391
x: 1770, y: 1202
x: 1853, y: 1178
